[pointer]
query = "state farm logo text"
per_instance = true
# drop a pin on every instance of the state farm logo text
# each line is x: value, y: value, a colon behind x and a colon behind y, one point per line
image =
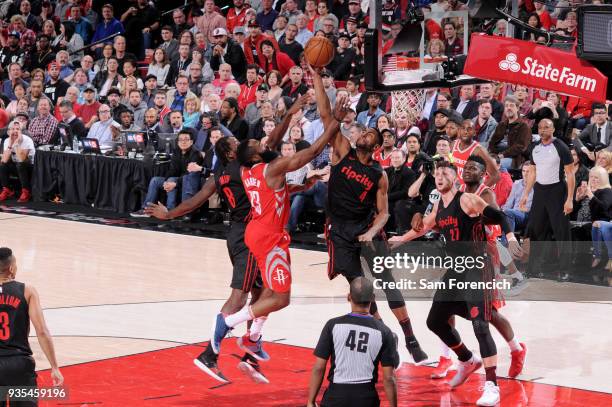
x: 532, y: 67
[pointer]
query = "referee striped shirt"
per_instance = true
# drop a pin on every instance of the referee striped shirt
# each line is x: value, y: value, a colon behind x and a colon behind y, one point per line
x: 356, y: 344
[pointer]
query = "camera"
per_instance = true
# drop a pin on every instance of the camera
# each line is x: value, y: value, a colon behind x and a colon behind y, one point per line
x: 429, y: 163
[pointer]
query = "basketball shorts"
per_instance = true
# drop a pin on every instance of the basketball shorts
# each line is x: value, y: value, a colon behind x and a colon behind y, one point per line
x: 271, y: 251
x: 354, y: 395
x: 467, y: 303
x: 245, y: 273
x: 17, y: 371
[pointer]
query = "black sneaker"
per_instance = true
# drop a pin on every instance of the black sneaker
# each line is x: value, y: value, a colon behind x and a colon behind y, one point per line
x: 415, y: 350
x: 250, y: 367
x: 207, y: 362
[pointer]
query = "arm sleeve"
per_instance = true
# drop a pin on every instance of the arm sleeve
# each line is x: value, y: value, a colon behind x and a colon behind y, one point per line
x: 496, y: 217
x: 326, y: 342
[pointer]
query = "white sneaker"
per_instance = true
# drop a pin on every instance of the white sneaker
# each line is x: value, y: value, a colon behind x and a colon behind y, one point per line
x: 465, y: 369
x: 490, y: 395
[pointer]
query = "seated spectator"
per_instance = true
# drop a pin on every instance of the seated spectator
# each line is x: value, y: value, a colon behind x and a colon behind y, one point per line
x: 14, y: 78
x: 191, y: 112
x: 345, y: 55
x: 273, y: 80
x: 435, y: 49
x: 20, y: 93
x: 248, y: 90
x: 126, y: 120
x: 43, y: 127
x: 137, y: 106
x: 89, y: 109
x: 231, y: 119
x: 17, y: 159
x: 160, y: 65
x: 175, y: 124
x: 102, y: 130
x: 369, y: 117
x: 211, y: 161
x: 70, y: 121
x: 465, y: 103
x: 232, y: 90
x: 224, y: 79
x: 545, y: 20
x: 289, y: 45
x: 599, y: 132
x: 384, y: 154
x: 517, y: 219
x: 600, y: 201
x: 295, y: 87
x: 604, y: 159
x: 253, y: 110
x: 296, y: 136
x: 282, y: 106
x: 488, y: 92
x: 581, y: 208
x: 184, y: 175
x: 256, y: 130
x: 512, y: 136
x: 441, y: 117
x: 484, y: 123
x: 109, y: 78
x: 230, y: 52
x: 400, y: 178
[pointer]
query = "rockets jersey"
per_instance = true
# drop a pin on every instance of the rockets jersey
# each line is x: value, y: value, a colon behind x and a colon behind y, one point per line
x: 460, y: 156
x: 268, y: 206
x: 228, y: 182
x: 492, y: 231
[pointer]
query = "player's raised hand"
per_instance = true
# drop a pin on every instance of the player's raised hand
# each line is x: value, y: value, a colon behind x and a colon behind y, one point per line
x: 298, y: 104
x: 342, y: 108
x: 57, y: 377
x: 157, y: 210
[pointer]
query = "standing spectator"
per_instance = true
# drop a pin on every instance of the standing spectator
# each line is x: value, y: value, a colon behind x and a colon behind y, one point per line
x: 484, y: 123
x: 266, y: 17
x: 400, y: 178
x: 43, y: 127
x: 552, y: 181
x: 512, y: 136
x: 228, y: 51
x: 369, y: 117
x: 17, y: 158
x: 600, y: 202
x: 211, y: 20
x: 231, y: 119
x: 517, y: 217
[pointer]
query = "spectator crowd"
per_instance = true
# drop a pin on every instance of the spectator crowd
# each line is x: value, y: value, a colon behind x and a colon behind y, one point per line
x: 213, y: 69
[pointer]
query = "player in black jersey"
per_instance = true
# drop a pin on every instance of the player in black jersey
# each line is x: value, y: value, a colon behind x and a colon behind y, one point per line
x: 458, y: 217
x: 20, y: 304
x: 357, y: 211
x: 227, y: 182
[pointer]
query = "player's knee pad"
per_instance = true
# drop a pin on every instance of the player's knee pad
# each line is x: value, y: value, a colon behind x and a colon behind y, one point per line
x: 486, y: 344
x: 481, y: 327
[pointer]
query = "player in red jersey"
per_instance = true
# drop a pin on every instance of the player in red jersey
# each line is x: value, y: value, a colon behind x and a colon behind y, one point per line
x: 464, y: 146
x: 263, y: 176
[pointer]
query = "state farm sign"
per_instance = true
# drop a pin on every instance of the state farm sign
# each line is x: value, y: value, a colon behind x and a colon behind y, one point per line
x: 515, y: 61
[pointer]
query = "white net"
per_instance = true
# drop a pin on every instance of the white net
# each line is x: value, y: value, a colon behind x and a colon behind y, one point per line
x: 408, y: 100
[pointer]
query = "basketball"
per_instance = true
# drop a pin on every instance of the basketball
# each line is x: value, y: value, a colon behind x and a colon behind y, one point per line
x: 319, y: 52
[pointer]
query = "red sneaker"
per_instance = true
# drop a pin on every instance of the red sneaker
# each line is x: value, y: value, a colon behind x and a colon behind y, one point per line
x: 6, y: 194
x: 518, y: 361
x: 25, y: 196
x: 442, y: 369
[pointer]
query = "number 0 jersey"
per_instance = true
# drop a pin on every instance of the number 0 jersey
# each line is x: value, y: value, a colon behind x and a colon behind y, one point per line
x: 229, y: 186
x: 14, y: 320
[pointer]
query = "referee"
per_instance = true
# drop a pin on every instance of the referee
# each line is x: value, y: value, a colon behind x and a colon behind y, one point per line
x: 356, y: 343
x: 553, y: 180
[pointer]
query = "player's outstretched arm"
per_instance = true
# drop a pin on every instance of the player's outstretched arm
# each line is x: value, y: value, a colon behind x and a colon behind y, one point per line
x: 279, y: 131
x: 491, y: 167
x: 42, y: 332
x: 323, y: 102
x: 159, y: 211
x: 390, y: 385
x: 316, y: 378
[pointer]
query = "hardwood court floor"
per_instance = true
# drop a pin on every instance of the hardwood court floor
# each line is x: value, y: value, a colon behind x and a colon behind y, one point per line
x: 112, y: 292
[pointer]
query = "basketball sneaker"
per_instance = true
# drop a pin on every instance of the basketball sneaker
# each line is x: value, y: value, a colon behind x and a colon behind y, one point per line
x: 415, y: 350
x: 249, y: 366
x: 518, y: 361
x: 464, y: 370
x: 220, y: 329
x: 254, y: 349
x: 6, y: 194
x: 490, y: 395
x: 140, y: 214
x: 207, y: 362
x: 444, y: 365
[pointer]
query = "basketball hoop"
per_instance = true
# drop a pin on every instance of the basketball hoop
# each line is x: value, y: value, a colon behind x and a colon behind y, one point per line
x: 408, y: 100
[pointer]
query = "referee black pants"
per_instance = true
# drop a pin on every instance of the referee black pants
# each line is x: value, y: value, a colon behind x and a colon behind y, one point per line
x: 350, y: 395
x: 546, y: 216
